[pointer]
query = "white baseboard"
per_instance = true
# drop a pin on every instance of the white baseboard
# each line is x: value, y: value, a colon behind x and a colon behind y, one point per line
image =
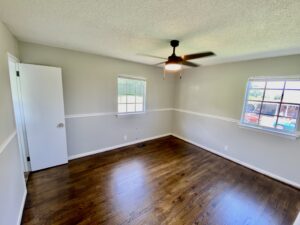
x: 116, y: 146
x: 276, y: 177
x: 22, y: 207
x: 269, y: 174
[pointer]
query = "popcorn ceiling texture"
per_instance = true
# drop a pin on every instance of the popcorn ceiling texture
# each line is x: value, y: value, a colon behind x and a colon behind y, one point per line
x: 235, y: 30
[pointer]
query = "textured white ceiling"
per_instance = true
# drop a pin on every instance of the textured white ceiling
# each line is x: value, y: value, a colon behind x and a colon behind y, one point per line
x: 234, y: 30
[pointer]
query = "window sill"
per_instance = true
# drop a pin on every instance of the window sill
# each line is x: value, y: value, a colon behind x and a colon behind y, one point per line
x: 292, y: 136
x: 130, y: 114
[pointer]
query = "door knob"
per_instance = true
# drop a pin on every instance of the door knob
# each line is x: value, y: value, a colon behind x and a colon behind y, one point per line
x: 60, y: 125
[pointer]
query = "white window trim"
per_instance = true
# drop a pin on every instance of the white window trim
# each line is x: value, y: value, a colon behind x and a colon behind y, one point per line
x: 291, y: 135
x: 125, y: 114
x: 132, y: 77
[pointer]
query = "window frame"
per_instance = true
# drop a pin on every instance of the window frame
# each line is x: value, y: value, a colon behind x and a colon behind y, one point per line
x: 144, y: 95
x: 294, y: 133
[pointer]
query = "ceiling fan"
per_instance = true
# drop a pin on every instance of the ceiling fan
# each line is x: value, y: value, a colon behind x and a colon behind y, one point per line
x: 174, y: 62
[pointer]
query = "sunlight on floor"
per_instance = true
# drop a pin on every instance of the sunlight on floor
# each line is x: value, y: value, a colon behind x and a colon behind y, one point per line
x: 234, y: 203
x: 129, y: 182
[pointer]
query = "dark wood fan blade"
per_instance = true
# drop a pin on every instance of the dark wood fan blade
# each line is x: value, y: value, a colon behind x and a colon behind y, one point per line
x: 153, y: 56
x: 197, y: 55
x: 186, y: 63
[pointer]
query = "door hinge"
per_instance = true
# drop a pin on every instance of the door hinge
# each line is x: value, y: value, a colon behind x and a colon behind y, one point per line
x: 28, y: 159
x: 18, y: 73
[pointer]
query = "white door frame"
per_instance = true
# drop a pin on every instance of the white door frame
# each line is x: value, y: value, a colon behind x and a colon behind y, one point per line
x: 18, y: 111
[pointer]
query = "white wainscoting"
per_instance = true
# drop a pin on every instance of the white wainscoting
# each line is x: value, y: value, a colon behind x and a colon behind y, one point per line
x: 116, y: 146
x: 228, y: 119
x: 274, y: 176
x: 73, y: 116
x: 265, y: 153
x: 7, y: 141
x: 92, y: 133
x: 232, y: 121
x: 12, y: 189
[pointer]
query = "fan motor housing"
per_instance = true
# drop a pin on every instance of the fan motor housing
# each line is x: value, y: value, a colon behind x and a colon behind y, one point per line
x: 174, y: 43
x: 174, y: 59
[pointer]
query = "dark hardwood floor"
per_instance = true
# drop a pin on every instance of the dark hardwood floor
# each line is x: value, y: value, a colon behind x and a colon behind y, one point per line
x: 167, y: 181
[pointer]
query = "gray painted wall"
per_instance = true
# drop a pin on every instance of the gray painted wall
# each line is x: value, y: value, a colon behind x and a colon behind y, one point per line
x: 89, y: 83
x: 12, y: 187
x: 90, y: 86
x: 219, y: 91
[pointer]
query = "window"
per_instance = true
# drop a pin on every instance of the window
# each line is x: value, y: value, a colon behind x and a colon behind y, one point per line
x: 131, y: 95
x: 272, y: 104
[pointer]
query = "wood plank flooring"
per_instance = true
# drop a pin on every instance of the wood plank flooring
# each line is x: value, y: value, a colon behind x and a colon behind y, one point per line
x: 167, y: 181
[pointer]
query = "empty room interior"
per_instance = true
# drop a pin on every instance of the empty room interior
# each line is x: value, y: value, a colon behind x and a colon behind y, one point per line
x: 160, y: 112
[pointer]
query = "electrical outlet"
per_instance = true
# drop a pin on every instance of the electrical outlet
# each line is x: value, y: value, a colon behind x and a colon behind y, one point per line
x: 125, y: 137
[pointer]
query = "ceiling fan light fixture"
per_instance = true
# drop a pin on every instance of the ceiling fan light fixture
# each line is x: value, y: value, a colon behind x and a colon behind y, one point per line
x: 174, y: 63
x: 173, y: 66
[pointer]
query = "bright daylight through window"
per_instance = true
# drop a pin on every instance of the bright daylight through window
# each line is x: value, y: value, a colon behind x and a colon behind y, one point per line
x: 272, y: 104
x: 131, y: 95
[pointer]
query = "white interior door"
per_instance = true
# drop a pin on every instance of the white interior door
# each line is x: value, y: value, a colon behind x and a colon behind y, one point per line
x: 42, y: 95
